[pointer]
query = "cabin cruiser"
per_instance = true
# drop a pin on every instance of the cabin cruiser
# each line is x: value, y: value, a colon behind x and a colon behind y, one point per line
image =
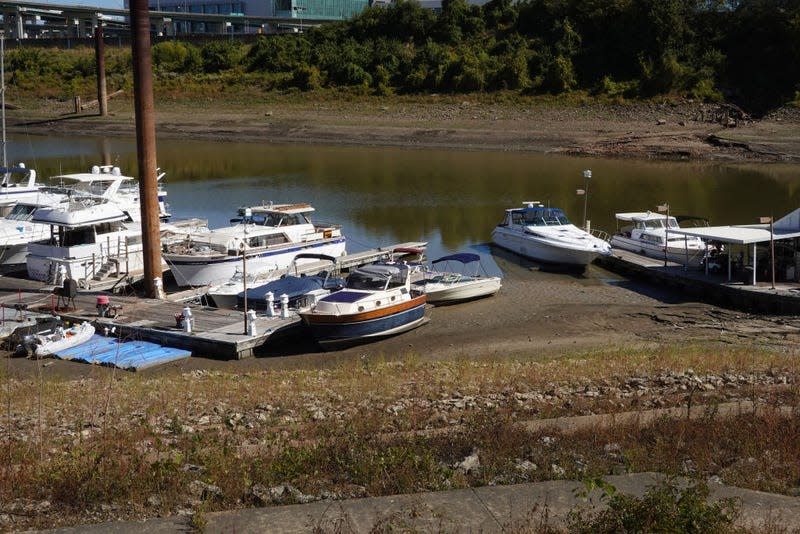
x: 91, y: 239
x: 546, y: 235
x: 648, y: 234
x: 18, y: 228
x: 267, y: 237
x: 378, y: 300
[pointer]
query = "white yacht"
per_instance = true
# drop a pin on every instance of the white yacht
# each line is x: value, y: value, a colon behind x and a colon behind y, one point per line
x: 648, y: 234
x: 14, y: 190
x: 271, y: 236
x: 18, y: 227
x: 545, y: 235
x: 90, y: 241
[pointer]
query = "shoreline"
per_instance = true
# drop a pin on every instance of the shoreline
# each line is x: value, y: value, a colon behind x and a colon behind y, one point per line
x: 688, y: 132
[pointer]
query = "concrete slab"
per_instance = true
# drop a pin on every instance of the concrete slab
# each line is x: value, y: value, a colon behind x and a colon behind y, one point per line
x: 486, y: 510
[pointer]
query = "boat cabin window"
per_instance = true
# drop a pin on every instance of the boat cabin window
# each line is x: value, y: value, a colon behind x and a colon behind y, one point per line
x: 368, y: 281
x: 21, y: 212
x: 544, y: 217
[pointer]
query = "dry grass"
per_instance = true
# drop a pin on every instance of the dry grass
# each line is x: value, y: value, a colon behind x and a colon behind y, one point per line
x: 135, y: 446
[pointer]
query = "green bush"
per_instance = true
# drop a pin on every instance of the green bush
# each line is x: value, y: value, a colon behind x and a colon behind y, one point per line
x: 666, y: 507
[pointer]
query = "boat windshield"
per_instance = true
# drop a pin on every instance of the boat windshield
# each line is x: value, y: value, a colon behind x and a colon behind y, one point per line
x: 21, y: 212
x: 541, y: 217
x: 371, y: 282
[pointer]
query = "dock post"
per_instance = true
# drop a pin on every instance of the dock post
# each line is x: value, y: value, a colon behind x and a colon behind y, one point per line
x: 187, y: 320
x: 284, y: 306
x: 270, y: 304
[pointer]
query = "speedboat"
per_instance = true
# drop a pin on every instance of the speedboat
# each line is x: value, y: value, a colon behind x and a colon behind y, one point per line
x: 446, y: 286
x: 378, y: 300
x: 648, y: 234
x: 546, y: 235
x: 267, y: 239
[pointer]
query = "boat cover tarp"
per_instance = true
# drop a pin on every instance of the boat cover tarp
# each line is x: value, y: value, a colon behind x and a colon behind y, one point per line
x: 292, y: 286
x: 130, y: 355
x: 463, y: 257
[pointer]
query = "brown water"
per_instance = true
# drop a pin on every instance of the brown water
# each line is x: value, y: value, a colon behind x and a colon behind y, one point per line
x: 452, y: 199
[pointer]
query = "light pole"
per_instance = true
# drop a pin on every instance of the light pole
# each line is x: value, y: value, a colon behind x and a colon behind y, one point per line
x: 771, y: 222
x: 587, y: 174
x: 300, y: 9
x: 246, y: 220
x: 662, y: 209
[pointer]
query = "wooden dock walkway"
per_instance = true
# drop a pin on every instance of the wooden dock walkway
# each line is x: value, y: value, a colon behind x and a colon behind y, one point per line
x: 216, y: 333
x: 712, y: 287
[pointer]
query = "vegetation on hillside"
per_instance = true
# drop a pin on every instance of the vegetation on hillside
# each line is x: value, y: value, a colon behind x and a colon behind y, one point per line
x: 742, y: 51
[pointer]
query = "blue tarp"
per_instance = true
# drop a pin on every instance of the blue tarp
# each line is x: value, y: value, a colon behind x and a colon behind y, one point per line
x: 463, y: 257
x: 130, y: 355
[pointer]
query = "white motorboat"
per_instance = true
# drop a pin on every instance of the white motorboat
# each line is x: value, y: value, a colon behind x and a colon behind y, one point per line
x: 648, y: 234
x: 90, y: 240
x: 60, y: 339
x: 268, y: 239
x: 446, y: 286
x: 17, y: 229
x: 546, y: 235
x: 378, y: 301
x: 14, y: 190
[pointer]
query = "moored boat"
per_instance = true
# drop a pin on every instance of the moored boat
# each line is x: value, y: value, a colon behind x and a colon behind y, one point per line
x: 648, y: 234
x: 302, y: 290
x: 90, y: 240
x: 60, y: 339
x: 546, y: 235
x: 378, y: 301
x: 269, y: 238
x: 445, y: 286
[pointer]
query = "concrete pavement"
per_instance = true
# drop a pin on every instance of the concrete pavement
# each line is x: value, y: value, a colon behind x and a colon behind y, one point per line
x: 486, y: 510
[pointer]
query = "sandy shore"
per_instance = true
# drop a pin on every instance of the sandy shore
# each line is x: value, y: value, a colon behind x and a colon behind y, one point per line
x: 689, y: 131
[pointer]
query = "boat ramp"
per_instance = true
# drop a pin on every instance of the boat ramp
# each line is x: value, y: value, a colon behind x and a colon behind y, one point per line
x: 173, y: 322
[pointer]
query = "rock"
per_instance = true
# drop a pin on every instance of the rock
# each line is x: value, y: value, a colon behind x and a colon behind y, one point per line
x: 526, y: 466
x: 470, y: 464
x: 661, y: 122
x: 205, y: 491
x: 192, y: 468
x: 558, y: 470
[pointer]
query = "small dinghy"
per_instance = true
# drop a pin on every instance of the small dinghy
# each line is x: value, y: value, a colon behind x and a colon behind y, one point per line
x: 61, y: 339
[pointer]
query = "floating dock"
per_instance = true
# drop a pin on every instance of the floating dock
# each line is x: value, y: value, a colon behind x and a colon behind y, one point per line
x: 215, y: 332
x: 715, y: 288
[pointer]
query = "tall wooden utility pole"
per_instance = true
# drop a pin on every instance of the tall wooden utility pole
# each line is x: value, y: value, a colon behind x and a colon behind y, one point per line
x: 146, y: 144
x: 100, y: 57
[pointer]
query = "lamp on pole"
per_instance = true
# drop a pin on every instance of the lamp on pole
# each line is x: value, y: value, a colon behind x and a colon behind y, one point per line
x: 587, y: 174
x: 248, y: 213
x: 299, y: 10
x: 771, y: 222
x: 664, y: 208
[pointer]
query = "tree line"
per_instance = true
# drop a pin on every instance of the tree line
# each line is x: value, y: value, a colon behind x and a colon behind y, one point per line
x: 746, y: 52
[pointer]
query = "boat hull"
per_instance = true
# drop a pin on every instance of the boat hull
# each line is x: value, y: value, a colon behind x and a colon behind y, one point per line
x: 194, y: 271
x: 674, y: 254
x: 331, y: 330
x: 460, y: 291
x: 544, y: 251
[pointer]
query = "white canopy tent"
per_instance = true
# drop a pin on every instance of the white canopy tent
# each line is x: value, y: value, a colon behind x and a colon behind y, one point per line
x: 787, y: 227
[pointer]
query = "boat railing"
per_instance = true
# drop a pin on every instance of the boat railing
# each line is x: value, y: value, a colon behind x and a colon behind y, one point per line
x: 601, y: 234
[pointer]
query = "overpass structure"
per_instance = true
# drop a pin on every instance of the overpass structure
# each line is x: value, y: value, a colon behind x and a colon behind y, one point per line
x: 35, y: 20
